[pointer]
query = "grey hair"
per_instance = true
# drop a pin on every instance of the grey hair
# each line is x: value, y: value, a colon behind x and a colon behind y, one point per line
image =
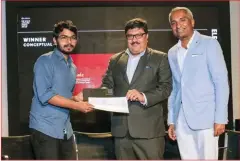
x: 185, y: 9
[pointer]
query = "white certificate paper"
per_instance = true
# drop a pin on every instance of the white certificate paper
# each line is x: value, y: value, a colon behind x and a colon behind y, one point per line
x: 111, y: 104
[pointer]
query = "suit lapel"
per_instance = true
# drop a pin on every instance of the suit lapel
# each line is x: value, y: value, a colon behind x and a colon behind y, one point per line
x: 188, y: 62
x: 141, y: 66
x: 123, y: 65
x: 175, y: 62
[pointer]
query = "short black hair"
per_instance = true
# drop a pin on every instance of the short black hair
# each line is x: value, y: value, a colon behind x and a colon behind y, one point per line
x: 136, y: 23
x: 61, y: 25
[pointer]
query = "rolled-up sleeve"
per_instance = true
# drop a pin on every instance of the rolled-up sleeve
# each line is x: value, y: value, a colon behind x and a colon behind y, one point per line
x: 43, y: 75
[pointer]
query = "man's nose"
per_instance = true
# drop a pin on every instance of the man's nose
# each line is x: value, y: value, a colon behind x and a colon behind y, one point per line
x: 178, y: 25
x: 69, y: 40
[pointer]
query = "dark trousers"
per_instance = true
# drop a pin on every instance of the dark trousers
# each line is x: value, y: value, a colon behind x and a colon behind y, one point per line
x: 46, y: 147
x: 128, y: 148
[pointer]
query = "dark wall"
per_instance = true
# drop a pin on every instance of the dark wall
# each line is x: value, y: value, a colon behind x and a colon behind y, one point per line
x: 91, y: 16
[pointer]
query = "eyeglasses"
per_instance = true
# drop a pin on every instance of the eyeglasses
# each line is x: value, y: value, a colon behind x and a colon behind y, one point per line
x: 137, y: 36
x: 67, y: 38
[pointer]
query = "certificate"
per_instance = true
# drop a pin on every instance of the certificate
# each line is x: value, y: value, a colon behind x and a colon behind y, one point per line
x: 111, y: 104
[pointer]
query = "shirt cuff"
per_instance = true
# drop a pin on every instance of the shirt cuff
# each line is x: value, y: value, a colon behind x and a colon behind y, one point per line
x: 145, y: 100
x: 47, y: 96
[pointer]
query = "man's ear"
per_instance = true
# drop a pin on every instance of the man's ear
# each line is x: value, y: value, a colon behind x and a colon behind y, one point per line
x: 54, y: 41
x: 193, y: 23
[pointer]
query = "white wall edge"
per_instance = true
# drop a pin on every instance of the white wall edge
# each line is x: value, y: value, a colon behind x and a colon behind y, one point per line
x: 4, y: 93
x: 235, y: 56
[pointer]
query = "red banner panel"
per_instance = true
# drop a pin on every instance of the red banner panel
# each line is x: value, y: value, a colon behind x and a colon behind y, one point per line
x: 90, y: 70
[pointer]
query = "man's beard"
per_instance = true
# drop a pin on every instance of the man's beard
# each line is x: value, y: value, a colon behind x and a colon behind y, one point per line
x: 64, y: 51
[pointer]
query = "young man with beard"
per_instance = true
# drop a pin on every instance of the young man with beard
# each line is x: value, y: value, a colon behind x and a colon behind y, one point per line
x: 142, y: 75
x: 54, y: 80
x: 198, y: 102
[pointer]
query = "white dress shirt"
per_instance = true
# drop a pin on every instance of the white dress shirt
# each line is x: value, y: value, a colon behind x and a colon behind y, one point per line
x: 182, y: 52
x: 131, y: 67
x: 132, y: 63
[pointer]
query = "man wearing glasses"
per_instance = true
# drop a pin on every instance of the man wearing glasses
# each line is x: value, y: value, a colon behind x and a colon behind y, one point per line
x: 54, y: 80
x: 143, y: 76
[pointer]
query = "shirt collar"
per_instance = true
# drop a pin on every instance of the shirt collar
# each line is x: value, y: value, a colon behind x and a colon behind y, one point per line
x: 61, y: 57
x: 130, y: 54
x: 189, y: 43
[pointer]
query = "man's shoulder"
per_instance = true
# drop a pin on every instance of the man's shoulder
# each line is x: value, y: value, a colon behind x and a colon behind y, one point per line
x: 45, y: 58
x: 172, y: 49
x: 207, y: 42
x: 118, y: 55
x: 156, y: 53
x: 207, y: 39
x: 46, y: 55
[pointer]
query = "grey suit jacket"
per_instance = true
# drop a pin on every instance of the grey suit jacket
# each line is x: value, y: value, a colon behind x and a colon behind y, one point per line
x: 153, y: 78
